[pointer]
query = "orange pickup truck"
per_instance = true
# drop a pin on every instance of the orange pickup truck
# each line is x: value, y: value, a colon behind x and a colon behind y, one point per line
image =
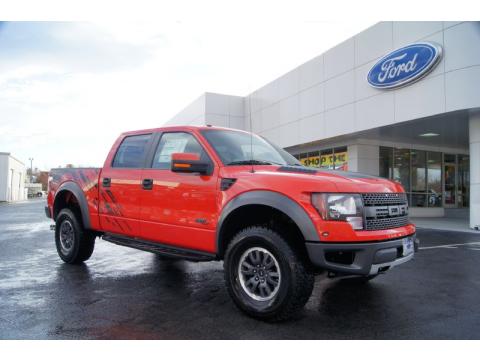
x: 207, y: 193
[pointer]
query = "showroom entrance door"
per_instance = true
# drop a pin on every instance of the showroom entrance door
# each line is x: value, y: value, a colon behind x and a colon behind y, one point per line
x: 463, y: 182
x: 450, y: 185
x: 456, y: 178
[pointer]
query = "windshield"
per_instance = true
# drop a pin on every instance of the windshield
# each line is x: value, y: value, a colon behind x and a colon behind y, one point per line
x: 235, y: 148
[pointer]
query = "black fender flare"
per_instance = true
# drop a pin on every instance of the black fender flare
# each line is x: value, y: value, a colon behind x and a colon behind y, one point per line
x: 75, y: 189
x: 275, y: 200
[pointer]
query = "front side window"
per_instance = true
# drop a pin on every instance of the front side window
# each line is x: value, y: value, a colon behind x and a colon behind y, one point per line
x: 131, y: 152
x: 239, y: 148
x: 176, y: 142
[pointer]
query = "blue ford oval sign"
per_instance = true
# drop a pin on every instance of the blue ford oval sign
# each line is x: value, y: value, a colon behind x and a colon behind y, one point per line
x: 404, y: 65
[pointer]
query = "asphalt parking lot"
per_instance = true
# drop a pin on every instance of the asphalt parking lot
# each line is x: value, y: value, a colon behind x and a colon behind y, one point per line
x: 122, y: 293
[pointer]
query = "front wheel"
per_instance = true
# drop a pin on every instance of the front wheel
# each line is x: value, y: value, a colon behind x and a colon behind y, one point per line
x: 264, y: 276
x: 74, y: 244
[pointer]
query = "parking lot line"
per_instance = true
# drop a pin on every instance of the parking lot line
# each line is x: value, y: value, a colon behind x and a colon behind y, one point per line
x: 449, y: 246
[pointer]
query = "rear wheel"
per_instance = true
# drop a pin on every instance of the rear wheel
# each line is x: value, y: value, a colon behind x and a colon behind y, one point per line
x: 74, y: 244
x: 264, y: 276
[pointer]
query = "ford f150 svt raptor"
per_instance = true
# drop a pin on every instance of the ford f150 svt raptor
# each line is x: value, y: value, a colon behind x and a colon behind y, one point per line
x: 206, y: 193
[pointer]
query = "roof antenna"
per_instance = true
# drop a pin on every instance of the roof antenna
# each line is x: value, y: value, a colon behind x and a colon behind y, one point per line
x: 251, y: 129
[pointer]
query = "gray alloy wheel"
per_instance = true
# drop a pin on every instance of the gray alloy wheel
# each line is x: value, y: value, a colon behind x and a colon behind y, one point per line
x: 259, y: 253
x: 67, y: 237
x: 74, y: 244
x: 259, y: 274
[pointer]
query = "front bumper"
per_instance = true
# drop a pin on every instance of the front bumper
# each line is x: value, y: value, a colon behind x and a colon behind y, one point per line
x: 365, y: 259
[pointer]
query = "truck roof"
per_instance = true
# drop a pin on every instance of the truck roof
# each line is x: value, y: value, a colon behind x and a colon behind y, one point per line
x: 180, y: 128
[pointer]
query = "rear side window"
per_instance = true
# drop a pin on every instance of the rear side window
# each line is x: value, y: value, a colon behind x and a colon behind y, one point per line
x: 176, y: 142
x: 131, y: 152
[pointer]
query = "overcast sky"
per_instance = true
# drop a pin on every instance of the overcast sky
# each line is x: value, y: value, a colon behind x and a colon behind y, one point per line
x: 67, y: 90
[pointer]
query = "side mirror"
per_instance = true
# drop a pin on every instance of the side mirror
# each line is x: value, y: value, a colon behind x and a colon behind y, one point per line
x: 189, y: 163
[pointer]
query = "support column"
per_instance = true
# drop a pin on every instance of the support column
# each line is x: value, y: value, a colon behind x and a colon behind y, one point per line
x: 474, y: 139
x: 364, y: 159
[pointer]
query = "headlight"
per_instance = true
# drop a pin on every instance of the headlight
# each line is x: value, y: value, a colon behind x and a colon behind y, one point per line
x: 340, y: 207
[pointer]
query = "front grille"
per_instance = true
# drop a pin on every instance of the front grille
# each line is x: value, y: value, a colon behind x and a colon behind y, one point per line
x: 373, y: 199
x: 386, y: 223
x: 385, y: 210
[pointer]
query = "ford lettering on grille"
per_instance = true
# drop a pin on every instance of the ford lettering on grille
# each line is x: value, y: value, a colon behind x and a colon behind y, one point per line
x: 385, y: 211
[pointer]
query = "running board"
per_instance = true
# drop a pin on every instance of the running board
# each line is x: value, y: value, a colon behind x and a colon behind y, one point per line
x: 157, y: 248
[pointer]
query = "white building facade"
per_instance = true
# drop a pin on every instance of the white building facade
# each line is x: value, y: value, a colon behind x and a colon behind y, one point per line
x: 12, y: 178
x: 423, y: 131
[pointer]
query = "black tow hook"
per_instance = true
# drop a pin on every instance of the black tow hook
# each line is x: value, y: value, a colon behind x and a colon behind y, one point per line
x: 52, y: 227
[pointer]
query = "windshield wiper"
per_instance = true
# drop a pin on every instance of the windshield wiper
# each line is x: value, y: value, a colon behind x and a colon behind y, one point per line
x: 251, y: 162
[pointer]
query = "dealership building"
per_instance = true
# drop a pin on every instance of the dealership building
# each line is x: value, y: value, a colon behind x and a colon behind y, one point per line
x: 12, y: 178
x: 399, y: 100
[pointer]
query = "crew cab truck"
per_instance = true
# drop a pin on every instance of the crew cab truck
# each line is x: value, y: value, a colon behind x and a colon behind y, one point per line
x: 207, y: 193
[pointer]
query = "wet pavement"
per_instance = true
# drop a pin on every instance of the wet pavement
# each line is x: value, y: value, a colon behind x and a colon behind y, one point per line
x: 122, y: 293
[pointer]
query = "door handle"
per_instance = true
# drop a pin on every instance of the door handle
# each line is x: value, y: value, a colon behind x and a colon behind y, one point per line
x: 147, y: 184
x: 106, y: 182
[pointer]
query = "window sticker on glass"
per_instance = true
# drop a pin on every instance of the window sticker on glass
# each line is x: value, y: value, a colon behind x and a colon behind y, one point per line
x: 170, y: 147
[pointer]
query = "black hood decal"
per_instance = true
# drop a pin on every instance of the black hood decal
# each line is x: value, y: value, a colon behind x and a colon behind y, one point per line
x: 298, y: 169
x: 350, y: 174
x: 309, y: 170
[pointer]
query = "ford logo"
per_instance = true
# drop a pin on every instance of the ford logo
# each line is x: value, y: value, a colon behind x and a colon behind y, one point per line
x: 404, y: 65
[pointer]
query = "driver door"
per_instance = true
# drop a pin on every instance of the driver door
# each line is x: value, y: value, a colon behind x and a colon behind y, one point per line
x: 179, y: 209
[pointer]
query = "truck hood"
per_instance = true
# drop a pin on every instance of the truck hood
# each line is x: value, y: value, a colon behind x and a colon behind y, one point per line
x: 346, y: 181
x: 317, y: 180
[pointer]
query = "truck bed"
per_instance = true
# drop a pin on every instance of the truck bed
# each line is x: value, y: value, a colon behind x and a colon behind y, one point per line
x: 85, y: 178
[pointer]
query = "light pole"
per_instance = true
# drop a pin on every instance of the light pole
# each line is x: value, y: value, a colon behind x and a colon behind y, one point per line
x: 31, y: 169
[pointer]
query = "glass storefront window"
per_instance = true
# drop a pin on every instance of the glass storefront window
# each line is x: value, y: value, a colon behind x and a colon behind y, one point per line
x: 401, y: 167
x: 419, y: 181
x: 418, y: 200
x: 340, y: 158
x: 326, y: 159
x: 434, y: 176
x: 386, y: 162
x: 449, y: 158
x: 428, y: 181
x: 312, y: 160
x: 332, y: 159
x: 419, y: 178
x: 450, y: 181
x: 302, y: 157
x: 463, y: 180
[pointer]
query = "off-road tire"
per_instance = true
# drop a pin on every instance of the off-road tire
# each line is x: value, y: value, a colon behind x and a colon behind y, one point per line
x: 295, y: 284
x: 83, y: 242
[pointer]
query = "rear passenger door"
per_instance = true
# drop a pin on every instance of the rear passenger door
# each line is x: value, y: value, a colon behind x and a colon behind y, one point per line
x: 120, y: 187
